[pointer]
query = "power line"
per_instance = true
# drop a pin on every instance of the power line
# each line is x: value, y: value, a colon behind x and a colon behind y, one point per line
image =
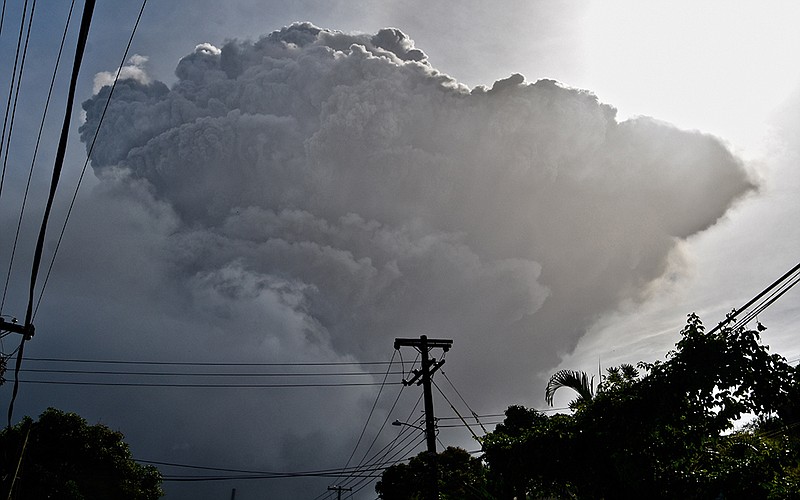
x: 88, y: 155
x: 238, y: 474
x: 495, y: 415
x: 369, y: 416
x: 377, y: 434
x: 445, y: 426
x: 474, y: 415
x: 36, y: 151
x: 251, y: 477
x: 6, y: 123
x: 207, y: 363
x: 409, y: 447
x: 780, y: 282
x: 382, y: 454
x: 19, y: 85
x: 380, y: 429
x: 456, y: 411
x: 768, y: 300
x: 481, y: 416
x: 205, y: 386
x: 240, y: 471
x: 208, y: 374
x: 395, y: 447
x: 83, y: 34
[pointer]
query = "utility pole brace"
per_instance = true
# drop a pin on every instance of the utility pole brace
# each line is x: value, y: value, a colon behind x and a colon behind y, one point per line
x: 26, y: 330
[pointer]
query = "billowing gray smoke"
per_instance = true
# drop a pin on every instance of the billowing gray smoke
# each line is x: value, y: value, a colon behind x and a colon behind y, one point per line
x: 363, y: 195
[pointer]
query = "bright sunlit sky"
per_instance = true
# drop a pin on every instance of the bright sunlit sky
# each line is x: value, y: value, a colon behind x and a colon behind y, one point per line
x: 140, y: 277
x: 728, y: 69
x: 720, y: 67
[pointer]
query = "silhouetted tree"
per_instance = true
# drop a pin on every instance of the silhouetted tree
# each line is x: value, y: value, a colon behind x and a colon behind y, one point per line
x: 61, y: 457
x: 531, y: 455
x: 459, y: 475
x: 662, y: 431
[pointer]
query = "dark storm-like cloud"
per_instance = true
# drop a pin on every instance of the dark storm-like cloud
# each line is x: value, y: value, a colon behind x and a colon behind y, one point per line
x: 340, y: 190
x: 348, y: 165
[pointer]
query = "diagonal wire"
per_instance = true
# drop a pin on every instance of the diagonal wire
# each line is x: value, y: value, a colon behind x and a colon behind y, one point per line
x: 454, y: 409
x: 383, y: 425
x: 371, y: 411
x: 3, y: 142
x: 377, y: 434
x: 732, y: 316
x: 474, y: 415
x: 19, y: 85
x: 88, y: 155
x: 376, y: 458
x: 35, y: 152
x: 379, y: 458
x: 768, y: 300
x: 382, y: 456
x: 409, y: 446
x: 83, y: 35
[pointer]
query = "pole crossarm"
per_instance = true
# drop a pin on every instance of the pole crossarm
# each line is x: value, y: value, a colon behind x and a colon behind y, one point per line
x: 25, y: 330
x: 444, y: 344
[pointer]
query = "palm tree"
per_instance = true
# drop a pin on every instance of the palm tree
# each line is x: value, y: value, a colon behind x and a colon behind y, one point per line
x: 622, y: 375
x: 575, y: 380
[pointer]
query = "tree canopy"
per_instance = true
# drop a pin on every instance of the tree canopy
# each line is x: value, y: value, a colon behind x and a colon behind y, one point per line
x: 664, y: 430
x: 459, y: 477
x: 62, y: 456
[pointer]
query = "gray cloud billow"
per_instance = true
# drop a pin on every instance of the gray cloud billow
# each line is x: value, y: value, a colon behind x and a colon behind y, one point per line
x: 364, y: 195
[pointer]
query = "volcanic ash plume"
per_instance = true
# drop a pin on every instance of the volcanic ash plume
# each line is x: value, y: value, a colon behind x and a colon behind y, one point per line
x: 368, y: 196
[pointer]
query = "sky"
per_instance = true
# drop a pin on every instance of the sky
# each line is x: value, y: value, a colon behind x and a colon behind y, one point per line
x: 548, y: 184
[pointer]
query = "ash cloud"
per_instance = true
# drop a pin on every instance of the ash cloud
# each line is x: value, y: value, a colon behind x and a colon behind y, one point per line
x: 342, y: 191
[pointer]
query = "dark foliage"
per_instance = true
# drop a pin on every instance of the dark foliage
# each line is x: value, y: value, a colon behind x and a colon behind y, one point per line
x: 663, y: 431
x: 459, y: 477
x: 65, y: 458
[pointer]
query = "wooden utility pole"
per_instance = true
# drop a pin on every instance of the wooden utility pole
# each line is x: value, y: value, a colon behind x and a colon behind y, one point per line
x: 339, y: 490
x: 423, y: 376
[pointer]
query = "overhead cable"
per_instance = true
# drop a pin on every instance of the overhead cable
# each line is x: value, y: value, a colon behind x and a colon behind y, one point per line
x: 392, y: 450
x: 731, y: 318
x: 369, y: 416
x: 207, y: 363
x: 206, y: 386
x: 86, y: 163
x: 16, y: 91
x: 208, y: 374
x: 474, y: 415
x: 456, y: 411
x: 769, y: 299
x: 3, y: 142
x: 381, y: 455
x: 36, y: 151
x: 83, y: 34
x: 377, y: 434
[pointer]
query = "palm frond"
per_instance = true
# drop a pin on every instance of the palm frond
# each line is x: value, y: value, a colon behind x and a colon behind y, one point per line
x: 575, y: 380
